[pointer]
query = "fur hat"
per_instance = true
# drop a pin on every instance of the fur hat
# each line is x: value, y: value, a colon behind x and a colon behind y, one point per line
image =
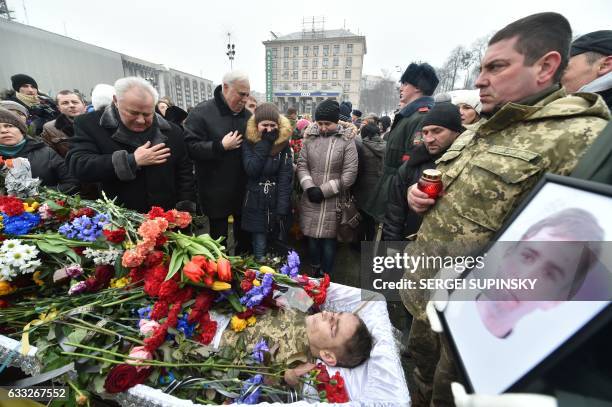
x: 11, y: 118
x: 21, y: 79
x: 328, y: 110
x: 445, y: 115
x: 14, y: 106
x: 345, y: 111
x: 468, y: 97
x: 102, y: 96
x: 175, y: 115
x: 266, y: 111
x: 421, y: 76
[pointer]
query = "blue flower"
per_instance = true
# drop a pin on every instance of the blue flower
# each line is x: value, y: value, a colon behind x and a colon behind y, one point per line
x: 185, y: 327
x: 251, y: 390
x: 259, y: 350
x: 85, y: 228
x: 292, y: 267
x: 144, y: 312
x: 20, y: 224
x: 169, y: 378
x: 256, y: 295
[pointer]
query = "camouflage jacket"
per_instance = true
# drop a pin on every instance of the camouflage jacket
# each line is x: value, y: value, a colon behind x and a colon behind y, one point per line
x: 284, y: 331
x: 492, y: 166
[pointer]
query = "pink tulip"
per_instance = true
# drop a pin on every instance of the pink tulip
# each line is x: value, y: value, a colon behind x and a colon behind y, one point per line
x: 139, y: 353
x: 147, y: 326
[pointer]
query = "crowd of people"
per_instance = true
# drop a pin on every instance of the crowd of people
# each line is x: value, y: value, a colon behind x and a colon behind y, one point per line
x: 541, y: 101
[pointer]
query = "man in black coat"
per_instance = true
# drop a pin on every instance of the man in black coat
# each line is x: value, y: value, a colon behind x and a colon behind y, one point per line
x: 214, y: 131
x: 441, y: 126
x: 136, y: 155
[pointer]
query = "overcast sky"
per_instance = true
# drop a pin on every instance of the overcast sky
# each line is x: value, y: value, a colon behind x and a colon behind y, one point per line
x: 191, y: 35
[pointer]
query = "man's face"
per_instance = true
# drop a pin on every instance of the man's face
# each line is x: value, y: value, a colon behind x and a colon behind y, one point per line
x: 9, y: 134
x: 136, y: 109
x: 407, y: 94
x: 70, y: 105
x: 236, y: 95
x: 578, y: 73
x: 330, y: 330
x: 251, y: 105
x: 437, y: 138
x: 28, y: 89
x: 504, y: 77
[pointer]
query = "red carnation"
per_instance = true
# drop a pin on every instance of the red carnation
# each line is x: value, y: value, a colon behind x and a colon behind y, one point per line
x: 90, y: 213
x: 173, y: 315
x: 161, y: 240
x: 115, y: 236
x: 184, y: 295
x: 159, y: 311
x: 208, y: 329
x: 151, y: 287
x: 201, y: 306
x: 157, y: 273
x: 154, y: 258
x: 104, y: 273
x: 136, y: 274
x: 157, y: 339
x: 169, y: 216
x: 156, y: 212
x: 246, y: 285
x: 168, y: 290
x: 11, y: 206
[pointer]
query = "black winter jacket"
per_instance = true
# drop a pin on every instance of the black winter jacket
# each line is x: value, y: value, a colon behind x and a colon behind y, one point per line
x: 220, y: 174
x: 47, y: 165
x: 269, y: 168
x: 400, y: 221
x: 102, y: 150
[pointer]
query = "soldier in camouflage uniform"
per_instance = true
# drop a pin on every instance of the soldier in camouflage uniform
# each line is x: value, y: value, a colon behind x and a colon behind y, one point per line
x: 417, y: 85
x: 533, y: 128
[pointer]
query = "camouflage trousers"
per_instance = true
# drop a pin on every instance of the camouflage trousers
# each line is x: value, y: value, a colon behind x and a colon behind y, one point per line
x: 434, y: 369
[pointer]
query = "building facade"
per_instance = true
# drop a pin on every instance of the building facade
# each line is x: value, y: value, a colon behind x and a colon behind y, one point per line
x: 58, y: 62
x: 304, y: 68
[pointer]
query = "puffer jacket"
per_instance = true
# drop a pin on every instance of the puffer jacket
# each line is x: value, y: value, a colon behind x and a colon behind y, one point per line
x: 371, y: 151
x: 329, y: 162
x: 269, y: 168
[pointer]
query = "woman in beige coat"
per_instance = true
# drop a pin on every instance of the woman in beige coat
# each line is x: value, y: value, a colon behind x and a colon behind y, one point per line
x: 326, y: 167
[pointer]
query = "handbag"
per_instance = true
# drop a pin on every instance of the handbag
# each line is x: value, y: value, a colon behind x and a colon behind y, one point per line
x: 348, y: 217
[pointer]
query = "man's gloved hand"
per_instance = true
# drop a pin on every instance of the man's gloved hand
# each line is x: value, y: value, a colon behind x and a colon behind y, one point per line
x: 315, y: 195
x: 270, y: 136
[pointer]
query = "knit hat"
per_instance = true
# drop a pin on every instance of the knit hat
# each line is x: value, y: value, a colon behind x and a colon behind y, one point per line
x: 385, y: 121
x: 421, y: 76
x: 345, y: 111
x: 266, y: 111
x: 369, y: 130
x: 357, y: 113
x: 14, y: 106
x: 444, y: 115
x: 328, y: 110
x: 11, y: 118
x: 21, y: 79
x: 597, y: 41
x: 301, y: 124
x: 468, y: 97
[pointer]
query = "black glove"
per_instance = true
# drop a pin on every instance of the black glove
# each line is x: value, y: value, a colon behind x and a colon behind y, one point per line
x: 315, y: 195
x: 270, y: 136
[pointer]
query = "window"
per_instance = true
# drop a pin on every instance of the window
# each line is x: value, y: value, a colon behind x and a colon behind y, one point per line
x: 274, y: 52
x: 275, y: 76
x: 285, y: 75
x: 305, y: 63
x: 323, y: 74
x: 286, y: 52
x: 346, y: 87
x: 304, y: 74
x: 315, y: 74
x: 296, y: 51
x: 315, y: 63
x: 334, y: 74
x: 315, y: 50
x: 336, y: 49
x: 314, y: 85
x: 325, y: 62
x: 296, y: 64
x: 286, y: 64
x: 325, y: 50
x: 295, y: 85
x: 349, y: 61
x: 304, y: 86
x: 336, y: 61
x: 274, y: 64
x: 349, y: 48
x: 294, y: 75
x: 347, y: 74
x: 305, y: 50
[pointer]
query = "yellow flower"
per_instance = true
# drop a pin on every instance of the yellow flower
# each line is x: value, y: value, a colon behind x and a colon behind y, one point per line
x: 119, y: 282
x: 267, y: 270
x: 128, y: 245
x: 37, y: 279
x: 1, y: 224
x: 30, y: 207
x: 251, y: 321
x: 256, y: 283
x: 238, y: 324
x: 6, y: 288
x: 220, y: 286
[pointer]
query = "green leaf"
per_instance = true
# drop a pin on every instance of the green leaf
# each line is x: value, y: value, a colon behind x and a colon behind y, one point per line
x: 232, y: 373
x: 72, y: 255
x: 176, y: 261
x: 47, y: 247
x: 77, y: 335
x: 235, y: 302
x: 120, y: 271
x: 177, y: 355
x: 98, y: 383
x: 240, y: 344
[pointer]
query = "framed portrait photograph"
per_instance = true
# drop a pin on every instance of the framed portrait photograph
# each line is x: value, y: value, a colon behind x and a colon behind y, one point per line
x: 545, y: 288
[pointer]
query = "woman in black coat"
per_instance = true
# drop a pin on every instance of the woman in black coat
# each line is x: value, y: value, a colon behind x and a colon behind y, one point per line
x: 268, y: 164
x: 45, y: 163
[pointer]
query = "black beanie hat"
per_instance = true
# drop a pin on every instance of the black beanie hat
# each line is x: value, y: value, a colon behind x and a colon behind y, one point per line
x: 597, y: 41
x: 21, y: 79
x: 266, y: 111
x: 421, y: 76
x: 445, y: 115
x: 357, y: 113
x: 345, y: 111
x: 369, y: 130
x: 328, y: 110
x: 6, y: 116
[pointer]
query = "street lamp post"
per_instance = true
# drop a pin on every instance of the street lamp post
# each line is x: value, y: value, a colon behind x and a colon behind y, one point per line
x: 231, y: 50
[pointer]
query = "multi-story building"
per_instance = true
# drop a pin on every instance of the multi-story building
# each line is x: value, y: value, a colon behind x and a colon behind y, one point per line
x: 71, y: 64
x: 304, y: 68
